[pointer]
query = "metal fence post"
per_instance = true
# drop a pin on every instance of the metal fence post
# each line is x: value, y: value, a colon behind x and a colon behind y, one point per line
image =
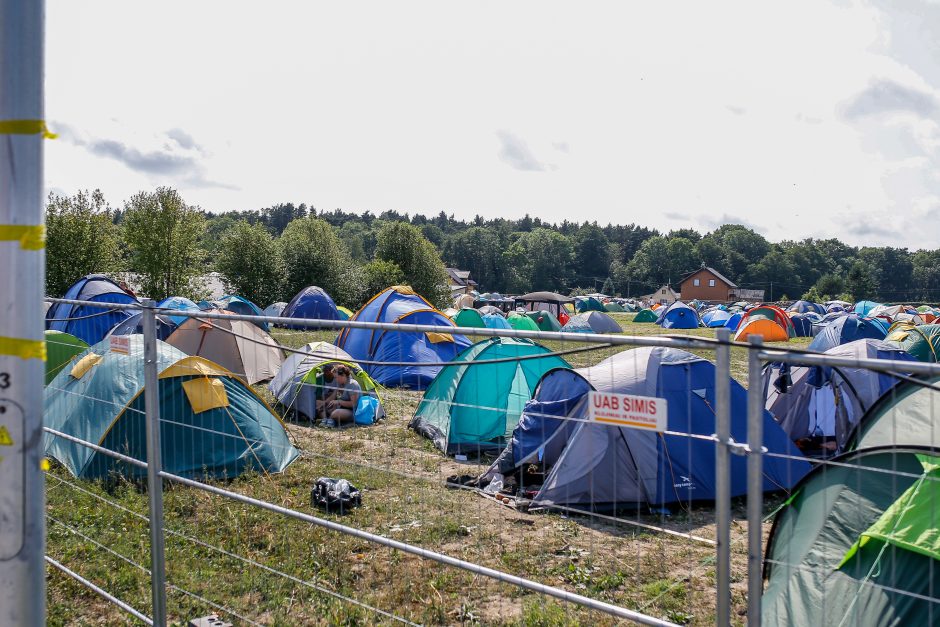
x: 755, y: 480
x: 154, y: 465
x: 723, y: 479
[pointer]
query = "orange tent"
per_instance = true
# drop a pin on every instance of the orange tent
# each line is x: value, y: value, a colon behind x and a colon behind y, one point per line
x: 770, y: 330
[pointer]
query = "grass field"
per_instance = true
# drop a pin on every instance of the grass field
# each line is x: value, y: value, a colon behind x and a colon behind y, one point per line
x: 220, y: 552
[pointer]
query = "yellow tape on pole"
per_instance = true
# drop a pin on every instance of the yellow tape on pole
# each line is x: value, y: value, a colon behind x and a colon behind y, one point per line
x: 25, y: 349
x: 26, y: 127
x: 30, y: 237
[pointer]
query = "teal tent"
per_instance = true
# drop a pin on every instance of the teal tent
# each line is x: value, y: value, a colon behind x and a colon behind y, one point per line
x: 645, y: 315
x: 522, y: 322
x: 211, y: 423
x: 544, y: 320
x: 468, y: 317
x: 470, y: 408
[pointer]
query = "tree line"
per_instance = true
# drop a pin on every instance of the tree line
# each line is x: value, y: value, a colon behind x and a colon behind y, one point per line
x: 269, y: 254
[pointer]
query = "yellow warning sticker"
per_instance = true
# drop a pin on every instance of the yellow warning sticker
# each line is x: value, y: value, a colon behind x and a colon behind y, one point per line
x: 5, y: 439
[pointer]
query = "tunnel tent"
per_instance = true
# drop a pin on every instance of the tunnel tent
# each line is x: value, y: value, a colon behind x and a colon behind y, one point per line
x: 409, y: 357
x: 87, y: 322
x: 857, y: 540
x: 297, y: 382
x: 544, y: 320
x: 312, y: 303
x: 472, y: 408
x: 236, y: 345
x: 60, y: 349
x: 212, y: 424
x: 603, y: 466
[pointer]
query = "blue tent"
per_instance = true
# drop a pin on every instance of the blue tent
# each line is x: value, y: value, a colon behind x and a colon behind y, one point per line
x: 735, y: 319
x: 846, y: 329
x: 802, y: 324
x: 715, y: 318
x: 178, y: 303
x: 313, y: 303
x: 605, y: 466
x: 805, y: 306
x: 241, y: 306
x: 496, y: 321
x: 135, y: 324
x: 410, y: 355
x: 90, y: 324
x: 863, y: 307
x: 588, y: 303
x: 678, y: 316
x: 212, y: 424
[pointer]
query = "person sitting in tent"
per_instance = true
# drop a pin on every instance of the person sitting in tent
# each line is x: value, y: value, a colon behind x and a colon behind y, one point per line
x: 341, y: 400
x: 322, y: 388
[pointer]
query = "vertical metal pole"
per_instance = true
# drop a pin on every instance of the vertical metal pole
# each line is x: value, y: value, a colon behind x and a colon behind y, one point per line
x: 22, y: 347
x: 755, y: 481
x: 723, y: 478
x: 154, y: 465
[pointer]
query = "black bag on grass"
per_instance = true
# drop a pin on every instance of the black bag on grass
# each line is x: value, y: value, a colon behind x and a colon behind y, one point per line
x: 335, y: 495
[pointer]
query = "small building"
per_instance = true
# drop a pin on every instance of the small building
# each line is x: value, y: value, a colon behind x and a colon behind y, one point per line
x: 664, y: 296
x: 460, y: 282
x: 707, y: 284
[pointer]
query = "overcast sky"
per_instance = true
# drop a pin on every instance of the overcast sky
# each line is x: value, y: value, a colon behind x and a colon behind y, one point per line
x: 807, y: 119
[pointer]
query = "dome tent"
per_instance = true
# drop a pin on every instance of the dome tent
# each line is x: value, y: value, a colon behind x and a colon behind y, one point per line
x: 60, y: 349
x: 614, y: 307
x: 408, y: 353
x: 312, y: 303
x: 469, y: 318
x: 678, y: 315
x: 522, y: 322
x: 496, y: 321
x: 715, y: 318
x: 178, y: 303
x: 768, y: 329
x: 472, y: 408
x: 611, y: 467
x: 274, y: 310
x: 242, y: 307
x: 805, y: 306
x: 922, y: 342
x: 135, y: 324
x: 90, y: 324
x: 239, y: 346
x: 211, y: 423
x: 295, y: 385
x: 592, y: 322
x: 906, y: 416
x: 544, y: 320
x: 589, y: 303
x: 645, y: 315
x: 844, y: 329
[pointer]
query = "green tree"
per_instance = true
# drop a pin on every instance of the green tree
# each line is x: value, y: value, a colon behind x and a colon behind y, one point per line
x: 926, y: 275
x: 477, y: 250
x: 81, y: 239
x: 861, y: 281
x: 314, y: 255
x: 403, y: 244
x: 592, y: 255
x: 378, y: 275
x: 250, y: 262
x: 162, y: 234
x: 828, y: 287
x: 542, y: 260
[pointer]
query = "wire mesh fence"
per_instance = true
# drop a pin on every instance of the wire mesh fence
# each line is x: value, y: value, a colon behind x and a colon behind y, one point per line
x: 413, y: 471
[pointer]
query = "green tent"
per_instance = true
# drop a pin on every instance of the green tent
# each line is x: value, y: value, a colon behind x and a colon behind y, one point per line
x: 614, y: 307
x: 906, y: 415
x: 521, y: 322
x: 921, y: 342
x: 470, y: 408
x: 61, y: 347
x: 857, y: 544
x: 211, y: 423
x: 587, y: 303
x: 469, y: 318
x: 544, y: 320
x: 645, y: 315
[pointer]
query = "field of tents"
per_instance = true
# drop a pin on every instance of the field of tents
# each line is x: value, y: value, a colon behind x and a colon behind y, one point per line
x: 239, y: 401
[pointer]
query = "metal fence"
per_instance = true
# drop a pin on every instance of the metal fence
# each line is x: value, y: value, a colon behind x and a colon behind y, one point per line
x: 217, y: 518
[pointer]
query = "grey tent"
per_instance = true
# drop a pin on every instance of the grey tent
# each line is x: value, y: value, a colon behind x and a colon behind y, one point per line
x: 905, y: 416
x: 592, y: 322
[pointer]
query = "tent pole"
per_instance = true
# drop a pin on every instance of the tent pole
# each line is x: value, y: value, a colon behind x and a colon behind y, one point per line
x: 755, y: 480
x: 154, y: 464
x: 22, y: 347
x: 723, y: 478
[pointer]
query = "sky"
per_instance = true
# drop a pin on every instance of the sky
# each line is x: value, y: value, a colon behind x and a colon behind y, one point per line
x: 798, y: 119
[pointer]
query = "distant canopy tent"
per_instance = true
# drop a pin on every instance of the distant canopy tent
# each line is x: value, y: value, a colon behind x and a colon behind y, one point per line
x: 678, y: 315
x: 844, y: 329
x: 544, y: 320
x: 242, y: 307
x: 805, y: 306
x: 588, y: 303
x: 86, y: 322
x: 469, y: 318
x: 857, y: 541
x: 211, y: 423
x: 549, y: 301
x: 300, y: 378
x: 645, y: 315
x: 820, y: 403
x: 592, y: 322
x: 274, y: 310
x: 409, y: 357
x: 521, y: 322
x: 312, y: 303
x: 236, y: 345
x: 178, y: 303
x: 473, y: 407
x: 715, y: 318
x: 603, y: 466
x: 135, y: 324
x: 922, y: 342
x: 60, y: 349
